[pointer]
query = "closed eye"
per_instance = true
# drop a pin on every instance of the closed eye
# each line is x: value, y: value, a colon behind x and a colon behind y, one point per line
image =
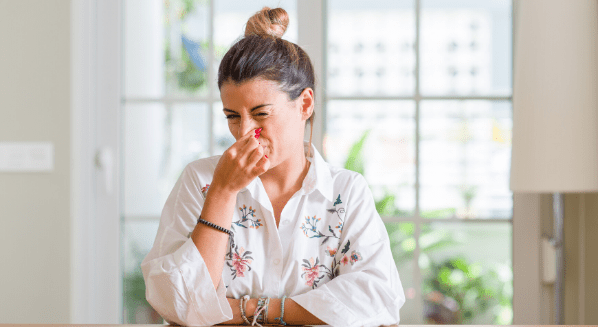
x: 235, y: 116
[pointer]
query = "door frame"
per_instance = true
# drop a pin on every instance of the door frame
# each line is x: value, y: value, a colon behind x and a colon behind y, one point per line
x: 95, y: 125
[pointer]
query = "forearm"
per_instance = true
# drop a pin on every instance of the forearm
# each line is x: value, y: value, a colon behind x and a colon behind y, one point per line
x: 294, y: 314
x: 211, y: 243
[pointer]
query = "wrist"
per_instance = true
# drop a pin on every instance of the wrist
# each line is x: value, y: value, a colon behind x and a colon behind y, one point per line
x: 221, y: 190
x: 251, y: 306
x: 274, y: 310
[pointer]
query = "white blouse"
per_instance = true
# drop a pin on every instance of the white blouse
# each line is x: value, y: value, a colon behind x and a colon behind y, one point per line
x: 330, y: 254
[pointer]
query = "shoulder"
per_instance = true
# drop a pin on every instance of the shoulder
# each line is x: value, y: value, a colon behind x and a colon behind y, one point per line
x: 203, y: 165
x: 350, y: 185
x: 200, y: 172
x: 345, y: 179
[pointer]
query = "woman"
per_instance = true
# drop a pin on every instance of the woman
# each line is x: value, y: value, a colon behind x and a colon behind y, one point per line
x: 282, y: 237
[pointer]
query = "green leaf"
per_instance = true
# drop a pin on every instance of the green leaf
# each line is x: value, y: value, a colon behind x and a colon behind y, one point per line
x: 355, y: 160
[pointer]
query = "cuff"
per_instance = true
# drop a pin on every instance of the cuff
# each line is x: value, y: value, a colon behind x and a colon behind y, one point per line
x: 210, y: 306
x: 323, y: 304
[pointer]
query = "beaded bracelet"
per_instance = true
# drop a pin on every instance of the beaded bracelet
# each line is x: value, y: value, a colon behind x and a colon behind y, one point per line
x: 280, y: 321
x: 265, y: 320
x: 205, y: 222
x: 242, y: 306
x: 258, y: 310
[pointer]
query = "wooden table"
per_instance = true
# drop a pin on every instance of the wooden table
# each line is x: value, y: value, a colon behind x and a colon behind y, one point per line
x: 83, y: 325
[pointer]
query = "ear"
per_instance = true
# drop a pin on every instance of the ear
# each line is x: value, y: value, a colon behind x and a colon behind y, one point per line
x: 306, y: 103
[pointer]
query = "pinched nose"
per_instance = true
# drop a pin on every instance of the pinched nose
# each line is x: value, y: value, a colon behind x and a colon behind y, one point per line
x: 247, y: 126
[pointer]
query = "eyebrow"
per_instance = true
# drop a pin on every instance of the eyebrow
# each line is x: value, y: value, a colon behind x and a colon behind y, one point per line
x: 252, y: 109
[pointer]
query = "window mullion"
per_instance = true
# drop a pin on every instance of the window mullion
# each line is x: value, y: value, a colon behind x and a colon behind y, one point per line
x: 417, y: 276
x: 211, y: 76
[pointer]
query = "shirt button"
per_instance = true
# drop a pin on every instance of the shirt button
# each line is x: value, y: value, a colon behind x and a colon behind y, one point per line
x: 284, y: 222
x: 276, y: 261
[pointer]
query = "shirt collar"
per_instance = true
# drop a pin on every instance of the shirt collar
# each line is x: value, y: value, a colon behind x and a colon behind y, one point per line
x: 318, y: 176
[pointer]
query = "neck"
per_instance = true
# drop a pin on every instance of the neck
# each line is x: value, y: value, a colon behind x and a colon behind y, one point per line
x: 287, y: 176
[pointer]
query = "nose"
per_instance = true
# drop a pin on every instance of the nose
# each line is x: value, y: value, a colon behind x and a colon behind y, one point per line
x: 247, y: 125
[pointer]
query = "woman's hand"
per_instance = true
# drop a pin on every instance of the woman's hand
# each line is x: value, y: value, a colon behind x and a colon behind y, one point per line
x: 240, y: 164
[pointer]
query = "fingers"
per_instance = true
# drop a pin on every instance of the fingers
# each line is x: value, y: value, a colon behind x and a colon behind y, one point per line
x: 255, y: 155
x: 245, y: 144
x: 262, y: 165
x: 249, y: 135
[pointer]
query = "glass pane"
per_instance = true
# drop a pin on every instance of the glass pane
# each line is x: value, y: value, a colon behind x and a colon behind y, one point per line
x: 143, y: 48
x: 465, y: 154
x: 165, y: 47
x: 186, y: 45
x: 467, y: 273
x: 466, y: 47
x: 159, y: 142
x: 376, y: 139
x: 402, y: 244
x: 230, y: 18
x: 371, y: 47
x: 223, y: 139
x: 138, y: 239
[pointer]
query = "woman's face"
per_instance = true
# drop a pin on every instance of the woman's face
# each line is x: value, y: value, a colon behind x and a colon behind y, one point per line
x: 259, y: 103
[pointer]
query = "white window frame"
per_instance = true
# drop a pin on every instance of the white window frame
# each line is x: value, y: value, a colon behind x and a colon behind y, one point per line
x: 525, y: 221
x: 95, y: 123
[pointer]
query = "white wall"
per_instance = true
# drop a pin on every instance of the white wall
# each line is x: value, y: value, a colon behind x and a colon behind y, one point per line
x: 35, y: 207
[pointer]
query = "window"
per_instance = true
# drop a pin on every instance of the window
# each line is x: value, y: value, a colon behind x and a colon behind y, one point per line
x: 171, y: 111
x: 417, y: 97
x: 418, y: 100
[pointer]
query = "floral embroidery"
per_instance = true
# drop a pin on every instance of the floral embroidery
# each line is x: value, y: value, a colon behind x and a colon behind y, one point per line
x: 204, y: 190
x: 330, y: 251
x: 345, y: 260
x: 311, y: 270
x: 338, y: 212
x: 240, y: 261
x: 310, y: 229
x: 355, y: 256
x: 254, y: 223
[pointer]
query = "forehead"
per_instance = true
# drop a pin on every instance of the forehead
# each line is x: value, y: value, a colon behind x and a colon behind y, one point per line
x: 252, y: 90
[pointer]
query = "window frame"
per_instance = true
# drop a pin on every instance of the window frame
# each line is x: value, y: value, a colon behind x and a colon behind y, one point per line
x: 417, y: 97
x: 85, y: 106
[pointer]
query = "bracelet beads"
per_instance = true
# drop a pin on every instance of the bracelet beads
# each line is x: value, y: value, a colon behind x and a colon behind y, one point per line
x: 243, y: 306
x: 280, y: 319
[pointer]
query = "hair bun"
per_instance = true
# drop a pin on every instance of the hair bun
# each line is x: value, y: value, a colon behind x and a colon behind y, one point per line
x: 268, y: 22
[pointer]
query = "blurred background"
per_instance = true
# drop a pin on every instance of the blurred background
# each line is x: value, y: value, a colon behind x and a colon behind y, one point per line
x: 416, y: 95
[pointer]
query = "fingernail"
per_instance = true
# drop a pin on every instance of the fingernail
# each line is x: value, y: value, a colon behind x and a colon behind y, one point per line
x: 266, y: 156
x: 259, y: 130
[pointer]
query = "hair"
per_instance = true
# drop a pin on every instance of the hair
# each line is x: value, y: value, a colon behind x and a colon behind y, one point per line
x: 262, y: 53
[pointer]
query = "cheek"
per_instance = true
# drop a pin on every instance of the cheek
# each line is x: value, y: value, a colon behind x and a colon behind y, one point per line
x: 234, y: 130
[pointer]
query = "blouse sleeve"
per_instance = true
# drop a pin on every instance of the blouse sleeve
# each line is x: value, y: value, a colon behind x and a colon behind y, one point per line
x: 367, y: 290
x: 177, y: 281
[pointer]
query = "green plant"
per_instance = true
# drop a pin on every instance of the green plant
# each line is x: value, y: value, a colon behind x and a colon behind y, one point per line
x: 474, y: 290
x: 355, y: 162
x: 134, y: 293
x: 477, y: 292
x: 186, y: 74
x: 190, y: 78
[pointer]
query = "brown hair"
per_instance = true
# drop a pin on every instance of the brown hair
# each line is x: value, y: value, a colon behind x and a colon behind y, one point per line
x: 262, y: 53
